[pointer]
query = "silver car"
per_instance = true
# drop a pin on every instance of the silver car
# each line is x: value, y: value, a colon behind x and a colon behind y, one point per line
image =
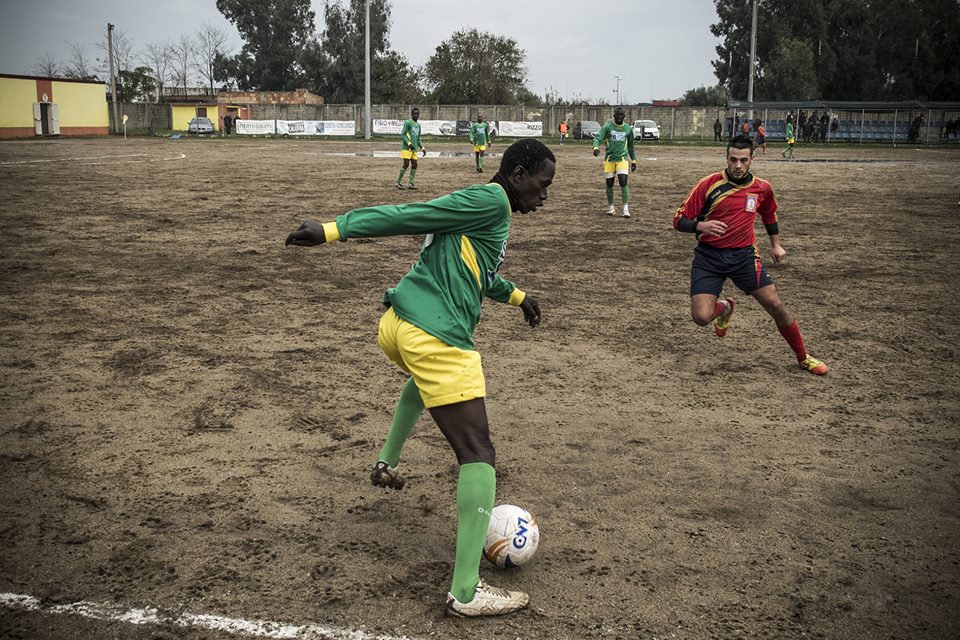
x: 200, y: 125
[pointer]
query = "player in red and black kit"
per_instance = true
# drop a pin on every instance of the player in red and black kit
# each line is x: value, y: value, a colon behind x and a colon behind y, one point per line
x: 721, y: 210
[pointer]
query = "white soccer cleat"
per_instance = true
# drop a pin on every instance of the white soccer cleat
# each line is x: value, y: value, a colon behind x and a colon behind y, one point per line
x: 487, y: 601
x: 626, y: 211
x: 611, y: 210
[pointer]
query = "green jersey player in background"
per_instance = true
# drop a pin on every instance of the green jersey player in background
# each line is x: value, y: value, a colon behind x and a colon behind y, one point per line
x: 479, y: 138
x: 409, y: 144
x: 427, y: 330
x: 619, y: 139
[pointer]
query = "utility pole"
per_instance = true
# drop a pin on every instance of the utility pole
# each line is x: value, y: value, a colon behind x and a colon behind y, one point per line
x: 618, y: 88
x: 753, y: 58
x: 366, y: 90
x: 113, y: 81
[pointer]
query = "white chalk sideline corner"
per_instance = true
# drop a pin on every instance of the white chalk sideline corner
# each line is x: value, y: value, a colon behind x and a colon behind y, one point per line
x: 152, y: 616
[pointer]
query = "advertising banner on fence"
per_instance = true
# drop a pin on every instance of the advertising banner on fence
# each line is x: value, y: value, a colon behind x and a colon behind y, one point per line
x: 256, y: 126
x: 317, y: 127
x: 427, y: 127
x: 519, y: 129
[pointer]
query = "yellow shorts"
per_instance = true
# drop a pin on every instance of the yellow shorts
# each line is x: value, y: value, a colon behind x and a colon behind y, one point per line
x: 443, y: 374
x: 408, y: 154
x: 612, y: 168
x: 479, y: 147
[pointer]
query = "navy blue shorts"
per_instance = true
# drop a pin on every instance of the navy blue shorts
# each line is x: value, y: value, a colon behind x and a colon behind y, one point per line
x: 711, y: 266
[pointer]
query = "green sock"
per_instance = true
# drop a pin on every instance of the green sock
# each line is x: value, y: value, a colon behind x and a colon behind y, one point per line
x: 481, y: 162
x: 413, y: 172
x: 610, y: 194
x: 400, y: 177
x: 476, y: 489
x: 409, y: 409
x: 625, y: 193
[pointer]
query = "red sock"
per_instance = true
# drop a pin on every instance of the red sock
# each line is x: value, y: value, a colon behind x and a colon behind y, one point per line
x: 719, y: 309
x: 791, y: 333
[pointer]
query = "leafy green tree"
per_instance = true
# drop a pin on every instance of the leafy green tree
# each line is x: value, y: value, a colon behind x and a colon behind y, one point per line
x: 474, y: 67
x: 704, y: 96
x: 791, y: 73
x: 335, y: 63
x: 861, y: 49
x: 275, y: 33
x: 136, y: 85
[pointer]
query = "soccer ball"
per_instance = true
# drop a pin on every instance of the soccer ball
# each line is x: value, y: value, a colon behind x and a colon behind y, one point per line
x: 512, y: 536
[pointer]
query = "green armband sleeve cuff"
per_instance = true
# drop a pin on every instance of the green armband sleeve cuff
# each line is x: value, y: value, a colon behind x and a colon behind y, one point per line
x: 330, y: 231
x: 516, y: 298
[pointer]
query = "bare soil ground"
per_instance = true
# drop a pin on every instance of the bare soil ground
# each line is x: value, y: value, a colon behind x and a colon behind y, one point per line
x: 190, y: 411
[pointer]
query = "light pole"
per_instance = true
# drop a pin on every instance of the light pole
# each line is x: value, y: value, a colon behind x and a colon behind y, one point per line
x: 366, y: 90
x: 618, y: 88
x: 753, y: 59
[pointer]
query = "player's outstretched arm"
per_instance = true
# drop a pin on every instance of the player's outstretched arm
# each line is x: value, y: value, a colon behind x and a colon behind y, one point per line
x: 308, y: 234
x: 531, y: 310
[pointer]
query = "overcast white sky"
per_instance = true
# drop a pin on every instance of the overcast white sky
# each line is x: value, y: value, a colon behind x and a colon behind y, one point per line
x: 574, y: 48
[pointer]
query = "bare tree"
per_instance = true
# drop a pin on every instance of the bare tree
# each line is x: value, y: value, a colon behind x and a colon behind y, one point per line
x: 79, y: 66
x: 159, y: 57
x: 181, y: 54
x: 209, y: 42
x: 122, y: 53
x: 46, y: 66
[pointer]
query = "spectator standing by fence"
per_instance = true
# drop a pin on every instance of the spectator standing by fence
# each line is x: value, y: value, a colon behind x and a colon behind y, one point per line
x: 717, y: 131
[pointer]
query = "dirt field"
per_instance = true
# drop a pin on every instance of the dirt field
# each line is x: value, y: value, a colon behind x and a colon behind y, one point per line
x: 190, y: 411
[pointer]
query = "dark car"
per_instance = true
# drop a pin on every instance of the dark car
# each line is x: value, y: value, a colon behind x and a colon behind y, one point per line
x: 200, y: 125
x: 586, y: 130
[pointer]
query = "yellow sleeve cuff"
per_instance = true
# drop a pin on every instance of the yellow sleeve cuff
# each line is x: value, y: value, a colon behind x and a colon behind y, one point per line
x: 330, y: 231
x: 516, y: 298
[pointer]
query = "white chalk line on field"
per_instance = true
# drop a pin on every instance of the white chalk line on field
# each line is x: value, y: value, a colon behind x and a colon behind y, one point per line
x: 112, y: 159
x: 155, y: 617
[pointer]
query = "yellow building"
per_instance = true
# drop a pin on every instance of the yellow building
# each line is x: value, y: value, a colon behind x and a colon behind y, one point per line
x: 184, y: 113
x: 32, y: 106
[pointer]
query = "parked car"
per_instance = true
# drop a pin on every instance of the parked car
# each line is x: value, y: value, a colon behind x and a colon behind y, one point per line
x: 646, y: 130
x: 585, y: 129
x: 200, y: 125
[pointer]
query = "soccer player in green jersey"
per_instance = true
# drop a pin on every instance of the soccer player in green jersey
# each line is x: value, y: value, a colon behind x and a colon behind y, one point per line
x: 479, y: 138
x: 427, y: 330
x: 409, y: 143
x: 619, y: 139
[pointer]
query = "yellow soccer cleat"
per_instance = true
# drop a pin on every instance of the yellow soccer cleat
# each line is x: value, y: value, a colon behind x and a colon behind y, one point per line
x: 814, y: 366
x: 721, y: 324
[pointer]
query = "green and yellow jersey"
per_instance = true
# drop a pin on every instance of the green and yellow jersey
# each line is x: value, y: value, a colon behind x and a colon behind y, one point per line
x: 410, y: 136
x: 465, y: 246
x: 619, y: 140
x: 479, y: 133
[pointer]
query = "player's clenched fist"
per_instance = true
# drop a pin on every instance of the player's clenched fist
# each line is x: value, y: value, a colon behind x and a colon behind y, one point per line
x: 308, y: 234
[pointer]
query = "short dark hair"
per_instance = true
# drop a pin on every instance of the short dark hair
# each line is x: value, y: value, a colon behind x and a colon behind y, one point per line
x: 740, y: 141
x: 528, y: 153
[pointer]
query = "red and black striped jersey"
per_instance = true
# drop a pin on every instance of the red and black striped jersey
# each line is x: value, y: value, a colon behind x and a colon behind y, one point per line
x: 738, y: 207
